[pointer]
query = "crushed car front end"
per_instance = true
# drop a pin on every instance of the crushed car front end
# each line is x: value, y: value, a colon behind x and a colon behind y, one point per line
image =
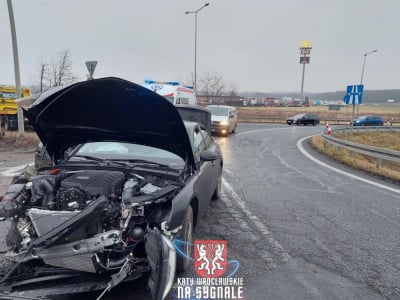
x: 92, y: 222
x: 68, y: 226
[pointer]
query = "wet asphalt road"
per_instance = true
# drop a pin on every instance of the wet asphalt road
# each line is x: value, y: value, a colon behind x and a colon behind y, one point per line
x: 298, y: 229
x: 330, y: 236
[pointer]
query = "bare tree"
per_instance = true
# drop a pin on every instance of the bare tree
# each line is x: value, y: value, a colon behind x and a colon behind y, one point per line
x: 211, y: 85
x: 57, y: 73
x: 232, y: 89
x: 61, y: 69
x: 44, y: 77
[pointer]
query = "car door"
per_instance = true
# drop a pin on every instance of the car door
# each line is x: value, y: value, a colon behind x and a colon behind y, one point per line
x: 304, y: 120
x: 310, y: 119
x: 208, y: 170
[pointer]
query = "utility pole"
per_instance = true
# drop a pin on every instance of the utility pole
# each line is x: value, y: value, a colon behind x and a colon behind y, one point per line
x: 20, y: 114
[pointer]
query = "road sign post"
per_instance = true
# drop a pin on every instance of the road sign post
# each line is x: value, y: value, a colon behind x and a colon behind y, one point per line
x: 91, y: 66
x: 354, y: 95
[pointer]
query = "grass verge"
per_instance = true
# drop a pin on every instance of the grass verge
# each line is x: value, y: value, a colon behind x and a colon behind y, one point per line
x: 387, y: 140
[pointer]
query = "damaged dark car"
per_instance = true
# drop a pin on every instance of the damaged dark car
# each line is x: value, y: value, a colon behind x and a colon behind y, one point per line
x: 129, y: 178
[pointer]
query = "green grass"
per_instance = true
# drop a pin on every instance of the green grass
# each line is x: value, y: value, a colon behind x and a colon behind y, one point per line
x: 386, y: 140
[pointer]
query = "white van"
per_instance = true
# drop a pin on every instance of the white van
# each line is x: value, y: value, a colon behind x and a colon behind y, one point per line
x: 223, y: 118
x: 172, y: 91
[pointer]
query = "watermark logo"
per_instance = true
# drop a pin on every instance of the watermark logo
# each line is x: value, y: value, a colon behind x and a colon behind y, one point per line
x: 210, y: 258
x: 216, y: 273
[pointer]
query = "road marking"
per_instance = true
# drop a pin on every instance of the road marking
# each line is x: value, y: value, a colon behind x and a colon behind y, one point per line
x: 258, y: 130
x: 308, y: 155
x: 305, y: 153
x: 233, y: 196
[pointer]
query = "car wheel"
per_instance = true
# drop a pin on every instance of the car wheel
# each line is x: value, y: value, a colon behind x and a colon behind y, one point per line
x: 185, y: 236
x: 314, y: 123
x: 234, y: 129
x: 217, y: 191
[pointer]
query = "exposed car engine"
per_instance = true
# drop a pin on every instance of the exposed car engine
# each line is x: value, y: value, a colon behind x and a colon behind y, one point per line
x: 94, y: 219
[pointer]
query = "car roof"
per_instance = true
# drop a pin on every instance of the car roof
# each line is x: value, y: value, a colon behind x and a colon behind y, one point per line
x: 195, y: 113
x: 215, y: 105
x: 369, y: 116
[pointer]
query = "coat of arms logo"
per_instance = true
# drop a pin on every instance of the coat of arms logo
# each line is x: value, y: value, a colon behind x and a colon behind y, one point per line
x: 210, y: 257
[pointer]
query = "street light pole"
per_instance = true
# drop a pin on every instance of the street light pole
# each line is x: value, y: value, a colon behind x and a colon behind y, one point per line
x: 365, y: 58
x: 362, y: 72
x: 195, y: 43
x: 20, y: 115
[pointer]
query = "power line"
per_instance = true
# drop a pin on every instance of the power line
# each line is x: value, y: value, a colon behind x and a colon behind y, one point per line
x: 57, y: 18
x: 27, y: 10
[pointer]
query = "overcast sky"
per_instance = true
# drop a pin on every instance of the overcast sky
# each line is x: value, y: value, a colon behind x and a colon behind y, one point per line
x: 252, y: 44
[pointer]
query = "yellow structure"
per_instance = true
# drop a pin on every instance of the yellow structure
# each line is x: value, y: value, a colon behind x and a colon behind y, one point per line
x: 8, y: 106
x: 306, y: 44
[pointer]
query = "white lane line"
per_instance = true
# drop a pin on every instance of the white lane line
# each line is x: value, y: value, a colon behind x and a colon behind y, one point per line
x: 305, y: 153
x: 233, y: 196
x: 308, y: 155
x: 259, y: 130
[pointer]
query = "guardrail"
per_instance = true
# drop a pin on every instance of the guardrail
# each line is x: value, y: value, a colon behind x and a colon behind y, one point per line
x: 376, y: 152
x: 280, y: 120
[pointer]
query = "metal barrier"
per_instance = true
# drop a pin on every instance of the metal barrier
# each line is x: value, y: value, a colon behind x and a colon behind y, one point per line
x: 282, y: 120
x: 376, y: 152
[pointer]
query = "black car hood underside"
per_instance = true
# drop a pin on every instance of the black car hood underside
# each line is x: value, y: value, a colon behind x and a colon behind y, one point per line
x: 107, y: 109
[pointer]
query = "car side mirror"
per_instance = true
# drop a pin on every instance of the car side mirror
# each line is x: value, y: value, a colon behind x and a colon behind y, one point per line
x: 209, y: 155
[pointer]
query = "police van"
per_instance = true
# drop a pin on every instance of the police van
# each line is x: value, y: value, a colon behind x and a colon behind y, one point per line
x: 172, y: 91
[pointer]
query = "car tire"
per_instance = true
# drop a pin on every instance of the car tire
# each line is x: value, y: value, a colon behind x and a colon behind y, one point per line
x: 234, y: 129
x: 314, y: 123
x: 186, y: 237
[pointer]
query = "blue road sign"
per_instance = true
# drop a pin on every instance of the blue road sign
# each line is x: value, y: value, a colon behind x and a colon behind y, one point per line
x: 354, y: 94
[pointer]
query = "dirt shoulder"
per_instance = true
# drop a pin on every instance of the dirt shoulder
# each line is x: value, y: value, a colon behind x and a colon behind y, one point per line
x: 14, y: 149
x: 15, y: 155
x: 13, y: 146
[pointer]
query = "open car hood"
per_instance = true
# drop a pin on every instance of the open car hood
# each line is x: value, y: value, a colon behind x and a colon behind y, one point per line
x: 107, y: 109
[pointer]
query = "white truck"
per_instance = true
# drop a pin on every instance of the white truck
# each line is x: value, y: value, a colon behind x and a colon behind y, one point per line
x: 172, y: 91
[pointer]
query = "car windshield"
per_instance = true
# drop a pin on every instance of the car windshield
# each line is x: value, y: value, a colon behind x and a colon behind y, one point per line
x: 218, y: 111
x: 128, y: 152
